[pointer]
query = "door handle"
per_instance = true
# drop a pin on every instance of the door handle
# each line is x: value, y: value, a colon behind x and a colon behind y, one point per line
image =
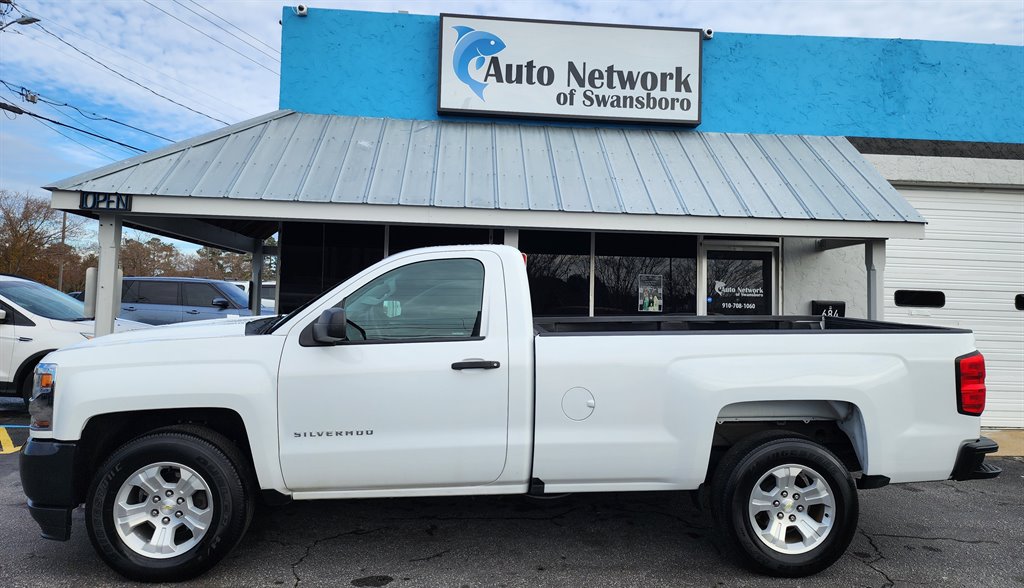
x: 129, y: 308
x: 24, y: 339
x: 191, y: 312
x: 476, y: 364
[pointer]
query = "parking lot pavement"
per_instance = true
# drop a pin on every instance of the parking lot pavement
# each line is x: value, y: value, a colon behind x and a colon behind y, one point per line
x: 936, y: 534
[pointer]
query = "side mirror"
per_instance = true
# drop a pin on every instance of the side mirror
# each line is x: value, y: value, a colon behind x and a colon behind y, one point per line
x: 330, y: 328
x: 220, y: 303
x: 3, y: 315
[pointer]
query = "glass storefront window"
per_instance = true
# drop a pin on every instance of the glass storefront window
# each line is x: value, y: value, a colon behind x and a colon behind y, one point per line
x: 558, y: 266
x: 644, y: 274
x: 739, y: 282
x: 404, y: 238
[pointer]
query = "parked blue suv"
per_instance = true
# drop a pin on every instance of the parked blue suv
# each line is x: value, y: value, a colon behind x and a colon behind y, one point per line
x: 160, y: 301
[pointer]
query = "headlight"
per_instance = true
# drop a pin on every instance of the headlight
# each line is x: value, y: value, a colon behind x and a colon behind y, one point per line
x: 40, y: 407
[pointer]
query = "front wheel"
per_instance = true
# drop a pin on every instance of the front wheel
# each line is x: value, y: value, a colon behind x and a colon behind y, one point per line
x: 787, y: 505
x: 168, y: 506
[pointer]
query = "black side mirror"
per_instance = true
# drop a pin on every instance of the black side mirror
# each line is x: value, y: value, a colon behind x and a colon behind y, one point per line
x: 220, y: 303
x: 330, y: 328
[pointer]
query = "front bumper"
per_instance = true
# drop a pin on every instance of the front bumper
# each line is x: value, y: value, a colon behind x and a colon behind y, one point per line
x: 970, y: 462
x: 47, y: 477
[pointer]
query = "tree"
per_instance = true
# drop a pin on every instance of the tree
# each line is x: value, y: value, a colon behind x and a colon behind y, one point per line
x: 151, y: 257
x: 31, y: 240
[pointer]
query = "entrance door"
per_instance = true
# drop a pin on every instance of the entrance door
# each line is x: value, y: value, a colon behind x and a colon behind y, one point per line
x: 740, y: 282
x: 393, y: 406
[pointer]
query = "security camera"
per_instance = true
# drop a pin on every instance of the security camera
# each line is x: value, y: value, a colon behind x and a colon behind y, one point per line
x: 708, y: 33
x: 302, y: 10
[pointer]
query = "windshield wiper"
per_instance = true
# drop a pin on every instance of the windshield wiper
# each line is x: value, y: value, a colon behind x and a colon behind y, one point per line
x: 81, y: 318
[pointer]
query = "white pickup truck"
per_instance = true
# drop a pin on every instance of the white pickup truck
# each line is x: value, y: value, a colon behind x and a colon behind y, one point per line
x: 427, y: 375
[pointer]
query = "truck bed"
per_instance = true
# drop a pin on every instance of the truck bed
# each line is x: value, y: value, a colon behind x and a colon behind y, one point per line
x: 547, y: 326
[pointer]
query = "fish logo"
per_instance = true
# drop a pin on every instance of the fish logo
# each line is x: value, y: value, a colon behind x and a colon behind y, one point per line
x: 474, y: 47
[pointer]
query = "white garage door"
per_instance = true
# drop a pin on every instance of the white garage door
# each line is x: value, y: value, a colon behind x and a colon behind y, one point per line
x: 974, y: 255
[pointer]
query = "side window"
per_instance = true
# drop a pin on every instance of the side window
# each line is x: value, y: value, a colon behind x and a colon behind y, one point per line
x: 425, y: 300
x: 198, y: 294
x: 158, y: 292
x: 129, y: 291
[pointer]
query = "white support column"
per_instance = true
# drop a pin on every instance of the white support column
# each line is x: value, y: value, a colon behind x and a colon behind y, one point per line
x: 874, y: 261
x: 256, y: 289
x: 108, y: 299
x: 512, y: 238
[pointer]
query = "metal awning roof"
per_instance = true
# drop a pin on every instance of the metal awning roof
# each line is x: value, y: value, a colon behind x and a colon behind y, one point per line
x: 346, y: 160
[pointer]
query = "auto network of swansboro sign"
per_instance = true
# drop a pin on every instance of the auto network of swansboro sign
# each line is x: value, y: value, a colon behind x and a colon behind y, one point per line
x: 507, y: 67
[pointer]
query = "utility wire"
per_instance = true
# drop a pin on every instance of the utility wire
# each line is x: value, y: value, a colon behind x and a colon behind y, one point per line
x: 64, y: 51
x: 72, y: 139
x: 207, y: 19
x: 88, y: 115
x: 78, y: 33
x: 121, y: 75
x: 233, y: 25
x: 211, y: 37
x: 12, y: 107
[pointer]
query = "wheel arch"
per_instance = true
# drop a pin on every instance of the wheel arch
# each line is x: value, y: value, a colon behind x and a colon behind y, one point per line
x: 104, y: 433
x: 837, y: 425
x: 26, y: 367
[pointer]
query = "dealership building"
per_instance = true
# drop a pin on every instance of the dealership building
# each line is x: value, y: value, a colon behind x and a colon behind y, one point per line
x: 642, y: 170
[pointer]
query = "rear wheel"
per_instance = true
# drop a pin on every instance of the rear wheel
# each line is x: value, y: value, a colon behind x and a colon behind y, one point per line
x: 787, y: 505
x: 168, y: 506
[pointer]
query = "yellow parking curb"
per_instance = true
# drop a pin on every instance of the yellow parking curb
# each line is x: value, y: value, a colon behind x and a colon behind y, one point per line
x: 6, y: 443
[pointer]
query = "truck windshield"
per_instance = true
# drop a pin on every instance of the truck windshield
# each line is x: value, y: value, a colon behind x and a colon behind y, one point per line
x: 43, y: 300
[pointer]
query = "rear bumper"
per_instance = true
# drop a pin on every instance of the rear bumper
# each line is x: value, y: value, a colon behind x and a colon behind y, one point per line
x: 47, y: 477
x: 970, y: 462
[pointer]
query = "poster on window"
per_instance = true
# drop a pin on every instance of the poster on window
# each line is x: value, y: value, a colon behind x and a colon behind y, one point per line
x: 651, y: 290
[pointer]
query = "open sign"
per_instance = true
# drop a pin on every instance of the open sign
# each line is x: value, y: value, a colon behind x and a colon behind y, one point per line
x: 98, y: 201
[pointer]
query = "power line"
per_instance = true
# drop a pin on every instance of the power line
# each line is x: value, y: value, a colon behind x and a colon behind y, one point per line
x: 78, y: 33
x: 233, y: 25
x: 178, y: 2
x: 64, y: 51
x: 59, y: 112
x: 89, y: 115
x: 211, y: 37
x: 72, y: 139
x: 12, y: 107
x: 121, y: 75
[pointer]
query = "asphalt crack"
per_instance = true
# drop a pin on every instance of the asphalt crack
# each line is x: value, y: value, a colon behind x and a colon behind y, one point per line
x: 879, y: 556
x: 954, y: 539
x: 310, y: 546
x: 429, y: 557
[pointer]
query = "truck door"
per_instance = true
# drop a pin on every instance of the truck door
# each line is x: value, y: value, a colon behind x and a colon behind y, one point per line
x: 418, y: 395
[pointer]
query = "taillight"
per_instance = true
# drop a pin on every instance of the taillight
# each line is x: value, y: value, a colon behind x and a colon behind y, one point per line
x: 970, y: 384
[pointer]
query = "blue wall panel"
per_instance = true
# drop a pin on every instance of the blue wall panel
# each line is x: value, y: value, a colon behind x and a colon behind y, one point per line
x: 385, y: 65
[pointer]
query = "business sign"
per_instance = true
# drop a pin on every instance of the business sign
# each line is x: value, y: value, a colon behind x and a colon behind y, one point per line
x: 545, y: 69
x: 100, y: 201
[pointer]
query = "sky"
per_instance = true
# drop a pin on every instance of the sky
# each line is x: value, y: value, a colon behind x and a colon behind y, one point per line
x: 176, y: 68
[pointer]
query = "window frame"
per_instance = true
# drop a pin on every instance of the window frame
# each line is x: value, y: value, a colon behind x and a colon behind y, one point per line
x: 772, y: 246
x: 350, y: 287
x: 177, y: 292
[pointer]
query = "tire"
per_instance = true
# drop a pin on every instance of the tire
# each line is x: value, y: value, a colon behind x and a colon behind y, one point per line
x: 205, y: 517
x: 763, y: 478
x: 25, y: 386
